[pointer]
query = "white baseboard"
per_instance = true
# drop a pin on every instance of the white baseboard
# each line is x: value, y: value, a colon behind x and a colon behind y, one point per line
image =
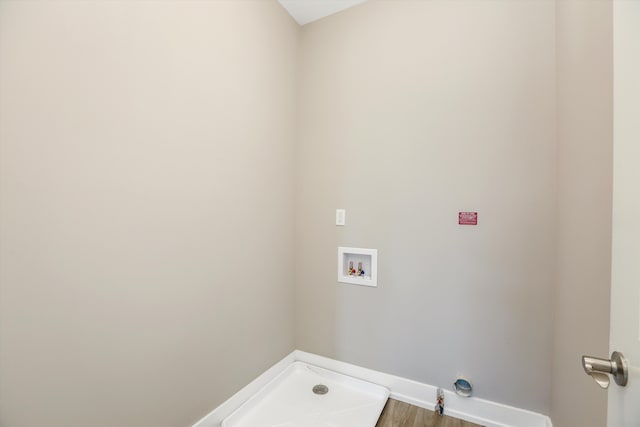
x: 473, y: 409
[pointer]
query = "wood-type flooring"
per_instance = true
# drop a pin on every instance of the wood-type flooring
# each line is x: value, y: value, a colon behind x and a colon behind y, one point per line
x: 400, y: 414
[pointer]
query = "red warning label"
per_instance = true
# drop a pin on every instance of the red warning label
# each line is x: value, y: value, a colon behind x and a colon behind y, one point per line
x: 468, y: 218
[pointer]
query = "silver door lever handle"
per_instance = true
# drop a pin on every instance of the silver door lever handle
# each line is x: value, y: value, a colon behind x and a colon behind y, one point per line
x: 599, y: 369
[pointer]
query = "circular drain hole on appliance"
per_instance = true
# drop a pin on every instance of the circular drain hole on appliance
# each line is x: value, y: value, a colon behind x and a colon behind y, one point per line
x: 320, y: 389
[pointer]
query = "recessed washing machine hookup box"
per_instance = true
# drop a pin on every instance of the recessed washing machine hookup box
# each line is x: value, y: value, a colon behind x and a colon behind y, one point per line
x: 358, y: 266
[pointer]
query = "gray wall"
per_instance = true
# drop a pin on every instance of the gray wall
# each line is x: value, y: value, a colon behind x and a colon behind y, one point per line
x: 146, y: 192
x: 410, y: 112
x: 584, y: 34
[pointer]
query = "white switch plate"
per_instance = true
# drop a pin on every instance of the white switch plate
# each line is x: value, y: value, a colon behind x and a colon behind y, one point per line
x: 340, y: 216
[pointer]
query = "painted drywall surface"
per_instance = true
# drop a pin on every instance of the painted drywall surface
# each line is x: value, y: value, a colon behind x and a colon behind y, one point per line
x: 409, y: 113
x: 146, y: 207
x: 585, y: 130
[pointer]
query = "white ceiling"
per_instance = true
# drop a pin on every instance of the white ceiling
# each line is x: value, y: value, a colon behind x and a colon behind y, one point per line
x: 305, y: 11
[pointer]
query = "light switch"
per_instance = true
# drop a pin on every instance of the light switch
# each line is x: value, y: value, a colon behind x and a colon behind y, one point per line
x: 340, y: 216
